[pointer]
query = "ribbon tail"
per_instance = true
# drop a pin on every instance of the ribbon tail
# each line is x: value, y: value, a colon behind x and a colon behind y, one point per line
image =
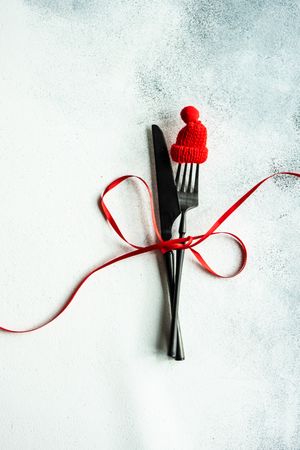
x: 76, y: 289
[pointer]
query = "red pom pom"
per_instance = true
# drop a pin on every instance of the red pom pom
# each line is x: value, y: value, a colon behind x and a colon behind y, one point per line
x: 189, y: 114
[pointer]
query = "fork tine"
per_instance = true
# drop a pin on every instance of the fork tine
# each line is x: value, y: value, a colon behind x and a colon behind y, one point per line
x: 182, y: 189
x: 178, y: 175
x: 189, y: 188
x: 196, y: 180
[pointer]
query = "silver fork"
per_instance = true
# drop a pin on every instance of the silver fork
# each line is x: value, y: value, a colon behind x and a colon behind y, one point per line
x: 187, y: 187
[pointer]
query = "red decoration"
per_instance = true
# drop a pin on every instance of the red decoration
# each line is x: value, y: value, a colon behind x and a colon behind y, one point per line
x: 188, y: 242
x: 190, y: 144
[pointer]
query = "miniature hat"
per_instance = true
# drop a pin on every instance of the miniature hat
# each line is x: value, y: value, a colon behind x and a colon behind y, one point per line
x: 190, y: 144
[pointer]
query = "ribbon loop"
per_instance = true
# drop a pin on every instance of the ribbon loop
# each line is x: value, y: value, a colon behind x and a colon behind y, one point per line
x: 107, y: 214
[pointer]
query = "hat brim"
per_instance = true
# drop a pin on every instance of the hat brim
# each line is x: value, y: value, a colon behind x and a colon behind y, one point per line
x: 183, y: 154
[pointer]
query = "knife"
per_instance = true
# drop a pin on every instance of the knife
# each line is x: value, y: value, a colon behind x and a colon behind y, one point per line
x: 169, y: 210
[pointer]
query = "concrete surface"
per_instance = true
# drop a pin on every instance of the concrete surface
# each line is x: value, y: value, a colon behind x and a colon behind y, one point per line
x: 81, y: 83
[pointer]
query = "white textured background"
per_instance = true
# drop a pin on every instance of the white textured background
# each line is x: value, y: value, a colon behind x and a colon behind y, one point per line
x: 81, y: 83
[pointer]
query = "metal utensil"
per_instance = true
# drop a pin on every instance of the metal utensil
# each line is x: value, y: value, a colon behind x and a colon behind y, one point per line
x: 169, y: 210
x: 187, y: 188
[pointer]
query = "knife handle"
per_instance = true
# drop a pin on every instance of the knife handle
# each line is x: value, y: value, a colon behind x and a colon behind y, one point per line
x: 170, y: 266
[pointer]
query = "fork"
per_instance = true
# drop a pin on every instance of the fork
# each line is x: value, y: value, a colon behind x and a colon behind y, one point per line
x: 188, y: 199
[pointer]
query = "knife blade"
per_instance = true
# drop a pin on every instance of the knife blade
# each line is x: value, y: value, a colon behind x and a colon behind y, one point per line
x: 169, y: 210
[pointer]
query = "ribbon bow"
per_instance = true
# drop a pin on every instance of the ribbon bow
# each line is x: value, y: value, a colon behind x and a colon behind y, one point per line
x: 188, y: 242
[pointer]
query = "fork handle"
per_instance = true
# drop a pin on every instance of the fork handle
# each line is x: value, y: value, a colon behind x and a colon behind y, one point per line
x: 169, y: 261
x: 179, y: 264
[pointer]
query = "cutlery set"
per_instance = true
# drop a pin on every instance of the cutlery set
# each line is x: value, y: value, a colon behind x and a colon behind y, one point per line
x: 176, y: 198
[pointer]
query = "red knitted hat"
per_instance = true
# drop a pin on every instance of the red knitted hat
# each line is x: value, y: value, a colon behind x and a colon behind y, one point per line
x: 190, y: 144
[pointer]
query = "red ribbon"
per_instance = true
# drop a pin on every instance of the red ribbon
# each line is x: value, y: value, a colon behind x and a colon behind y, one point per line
x: 188, y: 242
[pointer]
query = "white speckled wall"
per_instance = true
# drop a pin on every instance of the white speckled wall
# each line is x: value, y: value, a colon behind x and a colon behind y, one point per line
x: 81, y: 83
